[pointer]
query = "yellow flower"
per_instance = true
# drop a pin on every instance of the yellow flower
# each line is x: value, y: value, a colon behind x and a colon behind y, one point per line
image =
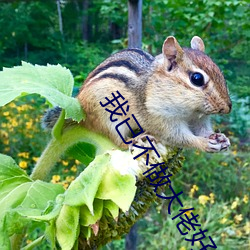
x: 211, y: 195
x: 19, y: 108
x: 73, y: 168
x: 29, y: 124
x: 238, y: 159
x: 197, y: 243
x: 35, y: 159
x: 6, y: 141
x: 235, y: 203
x: 245, y: 199
x: 192, y: 190
x: 188, y: 212
x: 247, y: 228
x: 24, y: 107
x: 77, y: 162
x: 24, y: 155
x: 234, y: 152
x: 238, y: 233
x: 65, y: 185
x: 223, y: 221
x: 203, y: 199
x: 6, y: 113
x: 23, y: 164
x: 14, y: 123
x: 224, y: 164
x: 4, y: 134
x: 182, y: 248
x: 70, y: 178
x: 238, y: 218
x: 55, y: 178
x: 12, y: 105
x: 65, y: 163
x: 6, y: 149
x: 223, y: 235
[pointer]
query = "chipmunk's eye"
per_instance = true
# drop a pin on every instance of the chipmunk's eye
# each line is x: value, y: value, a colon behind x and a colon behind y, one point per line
x: 197, y: 79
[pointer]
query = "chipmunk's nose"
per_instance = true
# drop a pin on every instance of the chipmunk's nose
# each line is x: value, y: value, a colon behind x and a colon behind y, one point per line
x: 226, y: 109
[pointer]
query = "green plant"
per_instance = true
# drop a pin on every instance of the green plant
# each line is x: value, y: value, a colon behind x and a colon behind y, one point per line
x: 225, y: 222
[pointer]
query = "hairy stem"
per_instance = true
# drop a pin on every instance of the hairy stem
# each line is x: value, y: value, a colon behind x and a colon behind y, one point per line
x: 57, y: 147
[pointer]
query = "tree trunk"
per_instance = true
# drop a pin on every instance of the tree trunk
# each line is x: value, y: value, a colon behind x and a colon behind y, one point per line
x: 135, y: 23
x: 59, y: 16
x: 131, y: 238
x: 85, y: 20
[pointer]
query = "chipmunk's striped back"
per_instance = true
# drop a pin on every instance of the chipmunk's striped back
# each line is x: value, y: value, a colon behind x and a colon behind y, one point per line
x: 124, y: 66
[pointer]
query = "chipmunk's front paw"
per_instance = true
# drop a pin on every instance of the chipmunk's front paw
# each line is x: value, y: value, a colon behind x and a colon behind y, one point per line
x: 140, y: 139
x: 217, y: 142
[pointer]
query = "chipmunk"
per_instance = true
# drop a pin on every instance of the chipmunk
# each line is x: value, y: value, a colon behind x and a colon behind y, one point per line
x: 171, y: 95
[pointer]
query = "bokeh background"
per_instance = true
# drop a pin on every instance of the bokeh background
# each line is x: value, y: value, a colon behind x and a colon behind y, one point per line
x: 79, y: 34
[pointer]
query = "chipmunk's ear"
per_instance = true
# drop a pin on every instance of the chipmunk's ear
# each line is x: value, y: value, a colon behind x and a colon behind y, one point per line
x: 197, y: 43
x: 171, y: 49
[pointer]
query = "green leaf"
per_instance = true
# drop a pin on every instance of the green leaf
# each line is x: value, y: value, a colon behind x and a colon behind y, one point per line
x: 86, y: 231
x: 11, y: 200
x: 83, y: 152
x: 26, y: 202
x: 6, y: 186
x: 46, y: 216
x: 14, y: 198
x: 50, y: 234
x: 39, y: 194
x: 67, y: 226
x: 83, y: 189
x: 118, y: 188
x: 108, y: 177
x: 53, y: 82
x: 4, y: 240
x: 13, y: 223
x: 112, y: 207
x: 20, y: 197
x: 86, y: 218
x: 9, y: 168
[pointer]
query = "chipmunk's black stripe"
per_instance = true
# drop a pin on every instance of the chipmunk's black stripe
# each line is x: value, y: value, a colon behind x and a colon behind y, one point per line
x: 118, y: 77
x: 118, y: 63
x: 142, y: 53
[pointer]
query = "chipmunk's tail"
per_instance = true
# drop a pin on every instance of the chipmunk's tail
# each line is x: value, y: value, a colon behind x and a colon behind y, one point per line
x: 50, y: 118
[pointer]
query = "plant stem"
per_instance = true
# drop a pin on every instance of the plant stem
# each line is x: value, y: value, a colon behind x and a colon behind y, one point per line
x: 57, y: 147
x: 16, y: 240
